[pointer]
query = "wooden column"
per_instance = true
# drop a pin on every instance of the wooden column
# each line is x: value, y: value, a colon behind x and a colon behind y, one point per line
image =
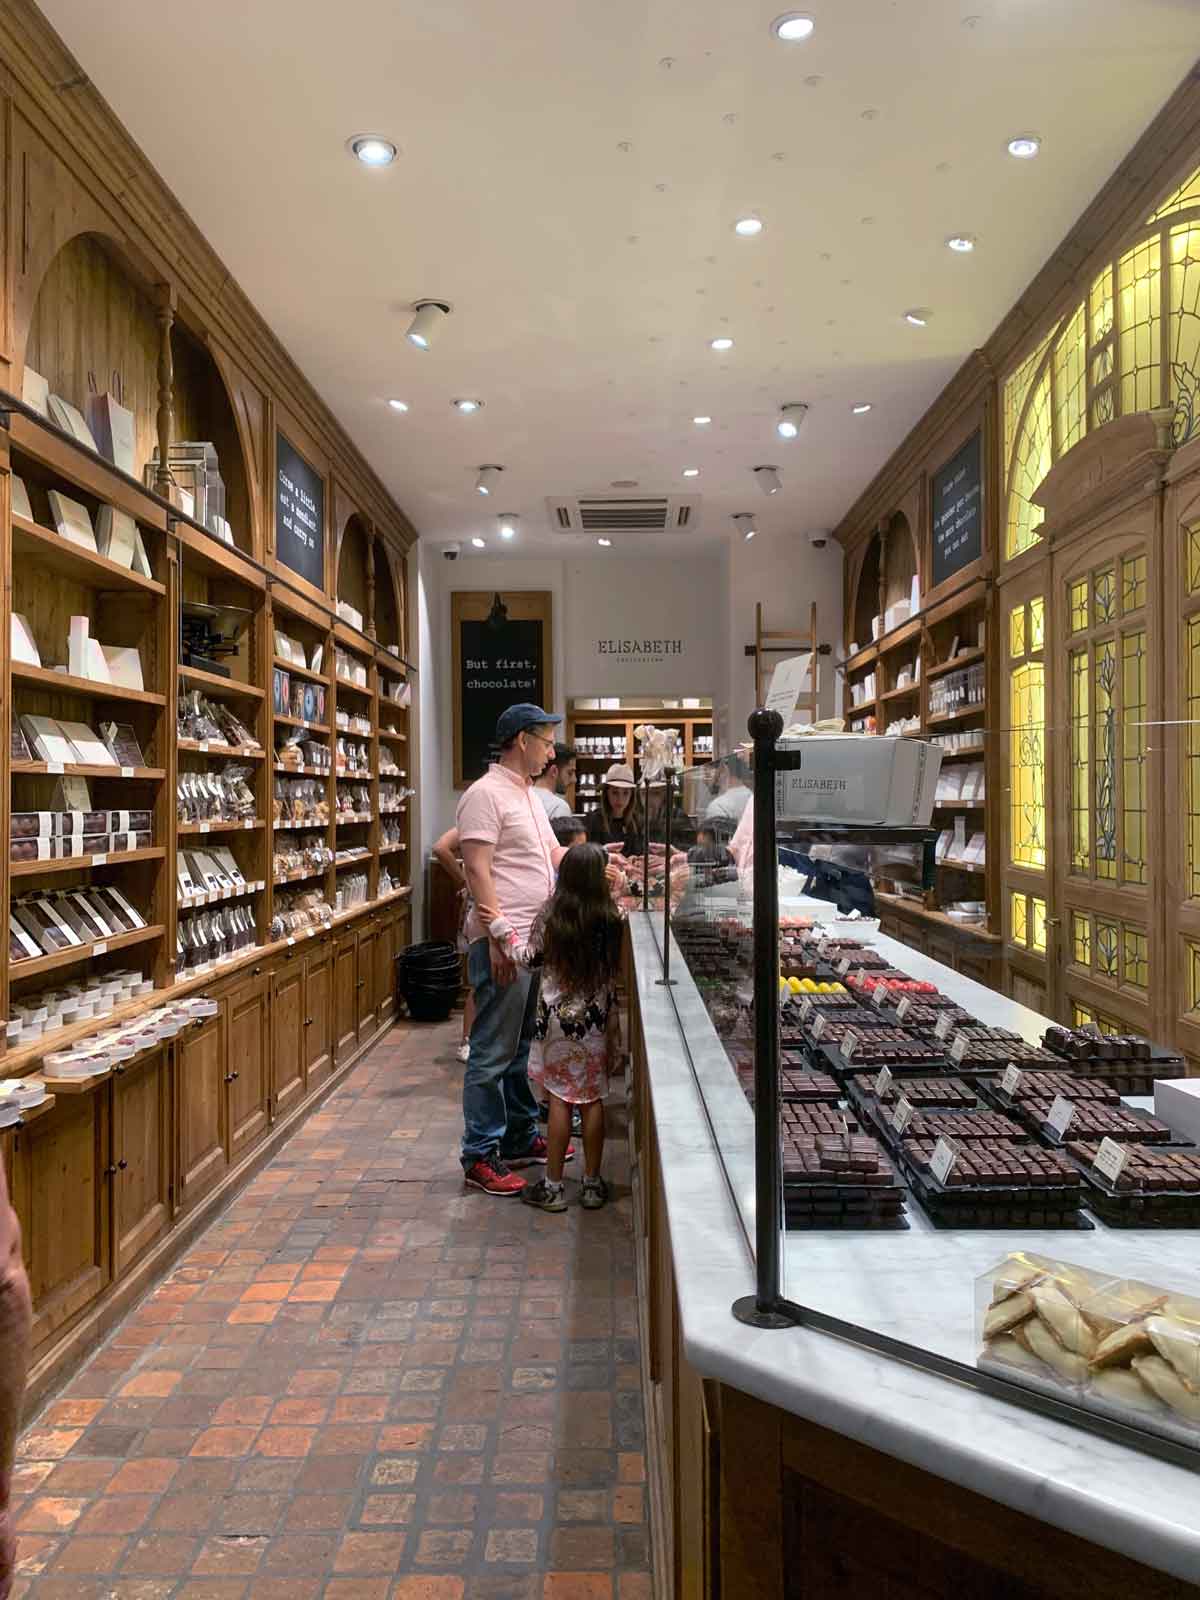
x: 165, y: 416
x: 370, y: 616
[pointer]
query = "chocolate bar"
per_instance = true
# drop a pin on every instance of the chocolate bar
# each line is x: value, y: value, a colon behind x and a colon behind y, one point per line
x: 1106, y: 1122
x: 991, y: 1164
x: 963, y: 1125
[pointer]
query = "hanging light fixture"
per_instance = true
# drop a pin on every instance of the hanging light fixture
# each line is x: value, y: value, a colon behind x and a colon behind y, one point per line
x: 743, y: 521
x: 768, y: 479
x: 424, y: 327
x: 489, y: 477
x: 498, y: 615
x: 790, y: 419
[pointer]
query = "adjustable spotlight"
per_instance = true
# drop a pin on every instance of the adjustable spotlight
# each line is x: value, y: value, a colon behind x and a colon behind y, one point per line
x: 743, y: 521
x: 790, y: 418
x: 508, y: 525
x: 489, y: 477
x: 423, y: 329
x: 768, y: 479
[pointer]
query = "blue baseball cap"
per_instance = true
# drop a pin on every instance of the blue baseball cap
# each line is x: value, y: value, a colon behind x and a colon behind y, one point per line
x: 518, y: 718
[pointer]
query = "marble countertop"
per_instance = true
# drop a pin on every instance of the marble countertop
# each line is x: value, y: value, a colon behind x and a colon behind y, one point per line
x: 917, y: 1285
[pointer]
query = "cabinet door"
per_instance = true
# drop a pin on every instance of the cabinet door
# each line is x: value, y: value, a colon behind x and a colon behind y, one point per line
x: 385, y: 994
x: 58, y: 1182
x: 141, y: 1194
x: 345, y: 997
x: 288, y: 1035
x: 248, y: 1064
x: 318, y: 1012
x: 364, y: 983
x: 200, y: 1098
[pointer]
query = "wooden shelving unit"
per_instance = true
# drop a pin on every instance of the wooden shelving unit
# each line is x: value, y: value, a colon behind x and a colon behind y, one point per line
x: 615, y: 731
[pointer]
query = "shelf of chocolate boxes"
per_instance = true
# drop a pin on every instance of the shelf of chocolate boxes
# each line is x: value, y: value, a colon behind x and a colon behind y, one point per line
x: 883, y: 1077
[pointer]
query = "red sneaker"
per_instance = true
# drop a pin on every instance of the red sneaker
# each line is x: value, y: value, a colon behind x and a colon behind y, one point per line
x: 535, y: 1155
x: 494, y: 1178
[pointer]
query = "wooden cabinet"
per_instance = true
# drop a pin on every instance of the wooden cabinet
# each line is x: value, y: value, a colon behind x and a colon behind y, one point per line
x: 60, y: 1191
x: 385, y: 956
x: 366, y: 1003
x: 345, y: 997
x: 140, y: 1168
x: 200, y: 1107
x: 288, y: 1035
x: 317, y: 1026
x: 248, y: 1063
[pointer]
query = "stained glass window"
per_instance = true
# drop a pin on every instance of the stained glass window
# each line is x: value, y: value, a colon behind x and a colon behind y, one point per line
x: 1133, y: 584
x: 1106, y: 948
x: 1081, y: 939
x: 1134, y: 747
x: 1070, y: 384
x: 1037, y: 623
x: 1193, y: 560
x: 1016, y: 389
x: 1100, y: 308
x: 1027, y: 765
x: 1192, y: 745
x: 1020, y: 919
x: 1105, y: 758
x: 1188, y: 194
x: 1139, y: 283
x: 1082, y: 1016
x: 1193, y: 974
x: 1032, y: 457
x: 1016, y: 632
x: 1135, y: 956
x: 1183, y: 335
x: 1104, y: 595
x: 1081, y: 804
x: 1037, y: 931
x: 1077, y: 603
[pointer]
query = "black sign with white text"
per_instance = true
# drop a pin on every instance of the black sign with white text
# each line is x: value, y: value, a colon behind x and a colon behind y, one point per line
x: 500, y: 666
x: 958, y: 512
x: 299, y: 514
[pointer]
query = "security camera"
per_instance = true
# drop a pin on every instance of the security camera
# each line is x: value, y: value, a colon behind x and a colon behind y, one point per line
x: 451, y: 551
x: 819, y: 538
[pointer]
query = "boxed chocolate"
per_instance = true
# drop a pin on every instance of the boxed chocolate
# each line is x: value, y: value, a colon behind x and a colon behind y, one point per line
x: 128, y: 822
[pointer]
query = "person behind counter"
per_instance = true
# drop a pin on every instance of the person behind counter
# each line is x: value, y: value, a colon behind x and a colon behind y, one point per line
x: 618, y: 817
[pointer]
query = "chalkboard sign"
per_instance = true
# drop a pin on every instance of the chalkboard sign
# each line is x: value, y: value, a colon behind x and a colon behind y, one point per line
x: 958, y: 512
x: 299, y: 514
x: 500, y: 658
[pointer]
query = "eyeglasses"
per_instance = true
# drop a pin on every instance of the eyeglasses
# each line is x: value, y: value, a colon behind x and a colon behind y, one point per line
x: 541, y: 738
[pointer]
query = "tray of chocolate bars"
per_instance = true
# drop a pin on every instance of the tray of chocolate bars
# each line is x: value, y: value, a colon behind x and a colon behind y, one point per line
x: 997, y: 1184
x: 974, y: 1051
x: 825, y: 1121
x: 841, y: 1180
x: 1123, y: 1124
x: 1129, y: 1063
x: 873, y: 1048
x: 1156, y: 1187
x: 1045, y: 1085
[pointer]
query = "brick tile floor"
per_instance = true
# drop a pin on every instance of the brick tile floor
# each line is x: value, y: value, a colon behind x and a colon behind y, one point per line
x: 362, y: 1383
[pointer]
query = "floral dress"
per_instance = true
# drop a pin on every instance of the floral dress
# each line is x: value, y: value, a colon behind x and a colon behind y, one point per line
x: 574, y: 1036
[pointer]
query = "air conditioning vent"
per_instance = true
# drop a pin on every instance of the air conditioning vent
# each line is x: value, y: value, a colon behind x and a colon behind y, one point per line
x: 622, y: 513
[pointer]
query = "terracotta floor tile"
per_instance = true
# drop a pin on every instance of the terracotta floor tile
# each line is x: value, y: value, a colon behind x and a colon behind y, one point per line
x: 224, y: 1442
x: 144, y: 1476
x: 116, y: 1513
x: 100, y: 1554
x: 577, y: 1586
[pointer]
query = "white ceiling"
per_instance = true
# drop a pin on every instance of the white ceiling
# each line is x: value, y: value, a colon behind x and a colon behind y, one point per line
x: 569, y: 178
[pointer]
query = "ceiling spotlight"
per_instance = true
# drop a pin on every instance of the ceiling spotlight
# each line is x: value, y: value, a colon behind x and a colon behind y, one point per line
x: 792, y: 27
x: 861, y: 409
x: 605, y: 542
x: 747, y: 227
x: 790, y: 418
x: 478, y: 542
x: 721, y: 344
x: 371, y: 150
x: 1025, y: 146
x: 489, y: 477
x: 467, y: 406
x: 398, y: 405
x: 508, y: 525
x: 768, y: 479
x: 961, y: 243
x: 918, y: 316
x: 743, y: 521
x: 691, y: 472
x: 702, y: 422
x: 423, y: 329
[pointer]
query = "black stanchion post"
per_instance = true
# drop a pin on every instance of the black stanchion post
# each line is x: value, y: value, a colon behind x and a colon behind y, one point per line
x: 645, y: 844
x: 761, y: 1309
x: 666, y: 978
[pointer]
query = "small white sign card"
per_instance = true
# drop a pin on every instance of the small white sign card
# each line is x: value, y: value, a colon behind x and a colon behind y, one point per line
x: 790, y: 680
x: 1058, y: 1118
x: 945, y: 1154
x: 1109, y: 1161
x: 902, y: 1115
x: 1011, y: 1080
x: 883, y: 1082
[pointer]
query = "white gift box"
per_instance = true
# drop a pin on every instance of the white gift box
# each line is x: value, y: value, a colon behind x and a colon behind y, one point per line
x: 859, y: 780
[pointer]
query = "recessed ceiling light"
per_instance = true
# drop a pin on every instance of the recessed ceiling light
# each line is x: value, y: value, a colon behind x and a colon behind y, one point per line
x: 604, y: 542
x: 861, y: 409
x: 790, y: 419
x: 724, y: 343
x: 372, y: 150
x: 489, y: 477
x: 398, y: 405
x: 1025, y: 146
x: 961, y: 243
x: 478, y: 542
x: 508, y: 521
x: 423, y: 329
x: 743, y: 521
x: 691, y: 472
x: 793, y: 27
x: 747, y: 227
x: 702, y: 422
x: 768, y: 479
x: 467, y: 406
x: 918, y: 316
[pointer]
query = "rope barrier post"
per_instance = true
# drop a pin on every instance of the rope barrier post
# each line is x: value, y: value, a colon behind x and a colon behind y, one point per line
x: 666, y: 980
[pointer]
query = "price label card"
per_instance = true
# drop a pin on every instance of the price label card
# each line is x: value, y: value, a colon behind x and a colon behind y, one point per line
x: 127, y: 772
x: 806, y: 1006
x: 248, y: 823
x: 958, y: 1047
x: 883, y: 1082
x: 100, y: 948
x: 941, y: 1163
x: 879, y: 996
x: 903, y: 1008
x: 902, y: 1115
x: 943, y: 1025
x: 54, y: 768
x: 843, y: 966
x: 205, y: 827
x: 202, y: 746
x: 849, y: 1045
x: 1059, y: 1115
x: 291, y: 939
x: 818, y: 1027
x: 1011, y: 1081
x: 99, y: 861
x: 1109, y: 1161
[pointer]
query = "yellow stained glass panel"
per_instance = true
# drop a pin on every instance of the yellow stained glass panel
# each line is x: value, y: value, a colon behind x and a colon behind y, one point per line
x: 1183, y: 335
x: 1081, y: 807
x: 1192, y: 759
x: 1135, y: 746
x: 1100, y: 307
x: 1020, y: 919
x: 1188, y: 194
x: 1032, y: 459
x: 1104, y: 595
x: 1027, y: 770
x: 1139, y: 286
x: 1037, y: 623
x: 1193, y: 560
x: 1133, y: 584
x: 1081, y: 939
x: 1016, y: 632
x: 1193, y: 974
x: 1105, y: 946
x: 1077, y: 603
x: 1135, y: 957
x: 1082, y: 1016
x: 1016, y: 389
x: 1037, y: 932
x: 1070, y: 384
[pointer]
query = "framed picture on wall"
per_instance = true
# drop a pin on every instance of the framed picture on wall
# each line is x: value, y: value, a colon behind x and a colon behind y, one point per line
x: 502, y: 650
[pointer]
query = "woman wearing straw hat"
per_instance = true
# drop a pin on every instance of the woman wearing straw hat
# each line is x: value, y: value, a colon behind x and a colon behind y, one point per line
x: 618, y: 817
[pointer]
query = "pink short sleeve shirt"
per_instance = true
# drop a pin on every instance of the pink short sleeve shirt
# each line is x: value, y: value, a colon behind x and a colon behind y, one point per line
x: 502, y: 810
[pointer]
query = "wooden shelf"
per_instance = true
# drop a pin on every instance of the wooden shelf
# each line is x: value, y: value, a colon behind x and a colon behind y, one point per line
x: 195, y: 902
x: 85, y: 952
x: 302, y: 772
x: 74, y: 769
x: 907, y: 692
x: 301, y: 672
x: 860, y: 659
x: 960, y: 866
x: 311, y: 727
x: 354, y: 639
x: 899, y: 637
x: 913, y: 908
x: 206, y: 747
x: 391, y: 849
x: 964, y: 658
x: 356, y: 821
x: 222, y: 688
x: 187, y: 829
x: 959, y: 805
x: 111, y: 858
x: 302, y: 877
x: 344, y: 686
x: 298, y: 827
x: 863, y: 705
x: 971, y: 752
x: 64, y: 683
x: 83, y: 468
x: 386, y: 733
x: 976, y: 710
x: 354, y: 777
x: 50, y: 549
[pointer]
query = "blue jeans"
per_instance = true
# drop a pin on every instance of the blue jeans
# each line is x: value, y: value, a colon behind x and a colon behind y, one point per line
x: 499, y: 1111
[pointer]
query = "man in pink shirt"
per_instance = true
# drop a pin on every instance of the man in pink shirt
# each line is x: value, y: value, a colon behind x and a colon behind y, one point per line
x: 510, y: 857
